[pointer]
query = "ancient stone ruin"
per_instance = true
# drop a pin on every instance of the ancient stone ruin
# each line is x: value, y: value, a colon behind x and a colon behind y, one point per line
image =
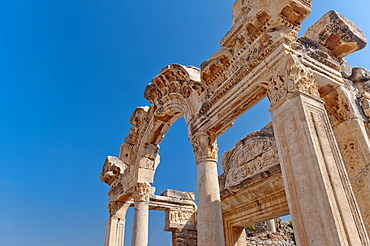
x: 311, y: 161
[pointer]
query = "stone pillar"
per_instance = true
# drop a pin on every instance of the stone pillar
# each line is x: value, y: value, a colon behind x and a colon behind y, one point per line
x: 141, y: 214
x: 270, y: 224
x: 235, y: 236
x: 349, y: 128
x: 116, y: 224
x: 210, y: 228
x: 321, y: 201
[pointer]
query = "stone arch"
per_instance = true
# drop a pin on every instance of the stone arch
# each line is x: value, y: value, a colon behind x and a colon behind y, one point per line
x: 174, y: 93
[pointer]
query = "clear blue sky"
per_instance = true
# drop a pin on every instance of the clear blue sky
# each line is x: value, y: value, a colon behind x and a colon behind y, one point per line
x: 71, y: 73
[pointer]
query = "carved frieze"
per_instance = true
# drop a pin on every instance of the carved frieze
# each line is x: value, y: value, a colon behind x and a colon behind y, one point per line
x: 337, y: 33
x: 250, y: 156
x: 137, y: 120
x: 182, y: 217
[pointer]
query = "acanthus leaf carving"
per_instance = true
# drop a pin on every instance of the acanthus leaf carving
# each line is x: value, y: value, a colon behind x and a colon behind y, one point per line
x: 142, y: 191
x: 204, y: 145
x: 294, y: 77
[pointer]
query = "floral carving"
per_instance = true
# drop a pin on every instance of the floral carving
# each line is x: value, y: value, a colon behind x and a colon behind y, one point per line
x: 142, y: 191
x: 295, y: 77
x: 352, y: 156
x: 338, y: 109
x: 204, y: 145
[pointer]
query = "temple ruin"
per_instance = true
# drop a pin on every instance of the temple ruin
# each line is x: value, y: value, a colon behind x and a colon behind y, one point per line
x: 311, y: 161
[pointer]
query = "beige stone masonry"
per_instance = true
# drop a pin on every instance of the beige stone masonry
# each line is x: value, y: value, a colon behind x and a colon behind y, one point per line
x: 314, y: 164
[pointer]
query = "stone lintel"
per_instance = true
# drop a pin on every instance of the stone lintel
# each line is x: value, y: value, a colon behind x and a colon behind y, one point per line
x: 337, y: 33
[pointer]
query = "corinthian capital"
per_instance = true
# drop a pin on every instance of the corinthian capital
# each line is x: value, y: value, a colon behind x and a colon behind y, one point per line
x: 142, y: 191
x: 204, y: 145
x: 293, y: 77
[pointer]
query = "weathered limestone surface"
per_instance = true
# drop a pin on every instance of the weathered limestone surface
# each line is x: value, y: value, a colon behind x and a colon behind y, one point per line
x: 252, y: 188
x: 280, y: 235
x: 116, y: 224
x: 337, y: 33
x: 320, y: 110
x: 141, y: 214
x: 210, y: 228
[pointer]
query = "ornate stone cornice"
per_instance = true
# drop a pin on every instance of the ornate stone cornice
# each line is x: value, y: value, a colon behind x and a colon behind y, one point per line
x: 142, y: 191
x: 204, y: 145
x: 292, y: 78
x: 173, y: 80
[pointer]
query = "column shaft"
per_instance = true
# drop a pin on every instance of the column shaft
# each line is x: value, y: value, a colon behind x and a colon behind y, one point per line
x: 209, y: 226
x: 140, y: 225
x: 210, y: 229
x: 271, y: 225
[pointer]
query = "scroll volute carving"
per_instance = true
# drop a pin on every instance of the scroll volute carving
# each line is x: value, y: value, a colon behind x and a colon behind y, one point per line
x: 293, y: 77
x: 204, y: 145
x: 176, y: 80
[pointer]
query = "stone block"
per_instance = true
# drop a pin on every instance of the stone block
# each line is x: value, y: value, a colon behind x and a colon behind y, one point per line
x: 360, y: 75
x: 179, y: 194
x: 337, y: 33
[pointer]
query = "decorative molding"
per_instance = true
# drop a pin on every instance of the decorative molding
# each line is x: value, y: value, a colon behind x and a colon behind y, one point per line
x: 112, y: 169
x: 174, y: 81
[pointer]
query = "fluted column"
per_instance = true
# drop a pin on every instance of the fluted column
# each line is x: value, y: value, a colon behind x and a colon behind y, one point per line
x: 141, y: 214
x: 317, y: 185
x: 210, y: 228
x: 116, y: 224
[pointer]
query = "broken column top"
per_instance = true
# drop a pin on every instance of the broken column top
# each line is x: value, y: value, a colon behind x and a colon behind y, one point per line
x: 338, y: 34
